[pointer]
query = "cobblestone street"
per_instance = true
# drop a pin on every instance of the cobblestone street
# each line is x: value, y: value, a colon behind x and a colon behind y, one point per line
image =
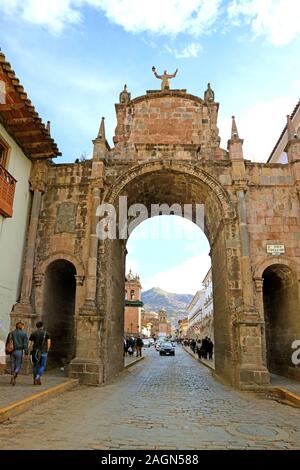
x: 160, y: 403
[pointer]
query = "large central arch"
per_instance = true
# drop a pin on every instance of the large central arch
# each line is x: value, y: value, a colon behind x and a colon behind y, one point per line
x: 170, y: 182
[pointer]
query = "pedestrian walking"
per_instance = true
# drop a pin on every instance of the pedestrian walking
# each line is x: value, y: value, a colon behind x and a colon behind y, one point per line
x: 139, y: 344
x: 205, y: 345
x: 40, y: 343
x: 16, y: 345
x: 210, y: 348
x: 198, y: 348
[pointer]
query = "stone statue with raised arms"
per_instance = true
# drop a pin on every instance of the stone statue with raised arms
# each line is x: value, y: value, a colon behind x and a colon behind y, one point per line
x: 165, y: 77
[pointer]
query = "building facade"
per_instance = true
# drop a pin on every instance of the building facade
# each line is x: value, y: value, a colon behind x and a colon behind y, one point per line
x: 164, y: 324
x: 183, y: 326
x: 133, y: 305
x: 25, y: 142
x: 279, y: 154
x: 166, y: 150
x: 201, y: 311
x: 157, y: 323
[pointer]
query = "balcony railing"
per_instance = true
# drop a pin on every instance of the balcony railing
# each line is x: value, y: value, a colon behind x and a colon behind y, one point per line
x: 7, y: 192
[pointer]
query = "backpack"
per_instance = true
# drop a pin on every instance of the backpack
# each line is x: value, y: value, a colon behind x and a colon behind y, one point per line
x: 37, y: 353
x: 9, y: 346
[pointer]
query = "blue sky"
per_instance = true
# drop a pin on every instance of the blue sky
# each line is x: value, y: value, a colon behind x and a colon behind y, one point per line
x: 74, y: 56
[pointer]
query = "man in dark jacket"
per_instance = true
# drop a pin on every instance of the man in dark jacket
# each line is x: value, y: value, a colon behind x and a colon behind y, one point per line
x: 20, y: 341
x: 139, y: 344
x: 40, y: 343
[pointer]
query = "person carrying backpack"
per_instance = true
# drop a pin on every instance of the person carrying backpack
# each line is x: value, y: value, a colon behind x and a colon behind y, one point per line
x: 16, y: 344
x: 40, y: 343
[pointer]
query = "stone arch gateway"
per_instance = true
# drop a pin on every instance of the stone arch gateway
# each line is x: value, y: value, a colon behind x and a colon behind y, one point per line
x: 166, y: 182
x: 166, y: 151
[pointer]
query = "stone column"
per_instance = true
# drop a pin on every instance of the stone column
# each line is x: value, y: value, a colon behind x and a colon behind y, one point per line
x: 87, y: 365
x: 245, y: 250
x: 24, y: 309
x: 259, y: 283
x: 91, y: 281
x: 252, y: 369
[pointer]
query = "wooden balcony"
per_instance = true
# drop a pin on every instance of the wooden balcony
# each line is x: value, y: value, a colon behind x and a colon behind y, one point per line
x: 7, y: 192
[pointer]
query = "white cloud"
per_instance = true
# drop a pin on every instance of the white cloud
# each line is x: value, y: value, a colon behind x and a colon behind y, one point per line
x: 167, y: 17
x: 190, y: 51
x: 53, y: 14
x: 260, y: 126
x: 185, y: 278
x: 278, y: 20
x: 164, y: 18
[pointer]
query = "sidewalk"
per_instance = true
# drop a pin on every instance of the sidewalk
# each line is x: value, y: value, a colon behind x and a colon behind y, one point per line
x: 281, y: 388
x: 131, y: 360
x: 210, y: 363
x: 288, y: 390
x: 18, y: 398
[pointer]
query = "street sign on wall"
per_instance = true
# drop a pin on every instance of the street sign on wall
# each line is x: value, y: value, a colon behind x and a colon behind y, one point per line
x: 275, y: 249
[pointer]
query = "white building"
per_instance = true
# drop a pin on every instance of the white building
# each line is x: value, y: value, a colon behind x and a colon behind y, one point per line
x: 24, y: 140
x: 278, y: 154
x: 201, y: 311
x: 195, y: 311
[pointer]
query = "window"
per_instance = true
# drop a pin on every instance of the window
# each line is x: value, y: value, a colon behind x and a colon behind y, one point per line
x: 132, y: 295
x: 3, y: 153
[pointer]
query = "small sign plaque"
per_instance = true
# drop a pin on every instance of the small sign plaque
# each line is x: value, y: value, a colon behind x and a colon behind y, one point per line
x: 275, y: 249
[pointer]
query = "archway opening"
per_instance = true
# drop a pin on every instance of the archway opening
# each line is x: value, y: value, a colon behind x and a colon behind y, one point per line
x: 59, y: 308
x: 168, y: 268
x: 158, y: 184
x: 280, y: 295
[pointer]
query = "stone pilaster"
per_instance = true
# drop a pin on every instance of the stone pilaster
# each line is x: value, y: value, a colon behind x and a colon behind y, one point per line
x: 87, y: 365
x: 23, y: 309
x: 259, y: 283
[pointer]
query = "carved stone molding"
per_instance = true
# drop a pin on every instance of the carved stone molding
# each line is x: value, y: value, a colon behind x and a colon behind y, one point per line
x: 258, y: 282
x: 38, y: 279
x: 79, y: 279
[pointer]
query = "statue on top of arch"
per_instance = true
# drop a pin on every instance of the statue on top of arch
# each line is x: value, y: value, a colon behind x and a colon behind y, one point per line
x: 209, y: 95
x: 125, y: 96
x: 165, y: 77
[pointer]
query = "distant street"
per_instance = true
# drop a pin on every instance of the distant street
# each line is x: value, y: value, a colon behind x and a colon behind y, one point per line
x: 162, y: 402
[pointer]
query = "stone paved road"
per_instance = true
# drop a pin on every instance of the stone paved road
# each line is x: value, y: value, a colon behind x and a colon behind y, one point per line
x: 161, y: 403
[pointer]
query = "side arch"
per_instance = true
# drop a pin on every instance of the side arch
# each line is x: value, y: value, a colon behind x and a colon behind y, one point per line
x: 280, y: 307
x: 265, y: 263
x: 58, y: 301
x: 43, y: 265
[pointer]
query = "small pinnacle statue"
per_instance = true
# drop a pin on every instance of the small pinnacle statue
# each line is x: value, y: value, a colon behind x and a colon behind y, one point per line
x: 124, y: 96
x: 209, y: 95
x: 164, y: 78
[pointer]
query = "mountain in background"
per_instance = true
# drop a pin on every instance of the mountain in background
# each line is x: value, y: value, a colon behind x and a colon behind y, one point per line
x: 175, y: 304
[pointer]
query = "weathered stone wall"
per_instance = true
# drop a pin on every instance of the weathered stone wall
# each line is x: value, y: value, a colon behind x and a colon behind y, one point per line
x: 167, y: 151
x: 146, y: 125
x: 63, y: 227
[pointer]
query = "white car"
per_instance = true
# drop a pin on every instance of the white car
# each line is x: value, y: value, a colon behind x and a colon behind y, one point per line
x: 158, y: 344
x: 147, y: 343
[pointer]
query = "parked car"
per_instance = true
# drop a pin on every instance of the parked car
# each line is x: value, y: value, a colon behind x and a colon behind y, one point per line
x: 167, y: 349
x: 146, y: 342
